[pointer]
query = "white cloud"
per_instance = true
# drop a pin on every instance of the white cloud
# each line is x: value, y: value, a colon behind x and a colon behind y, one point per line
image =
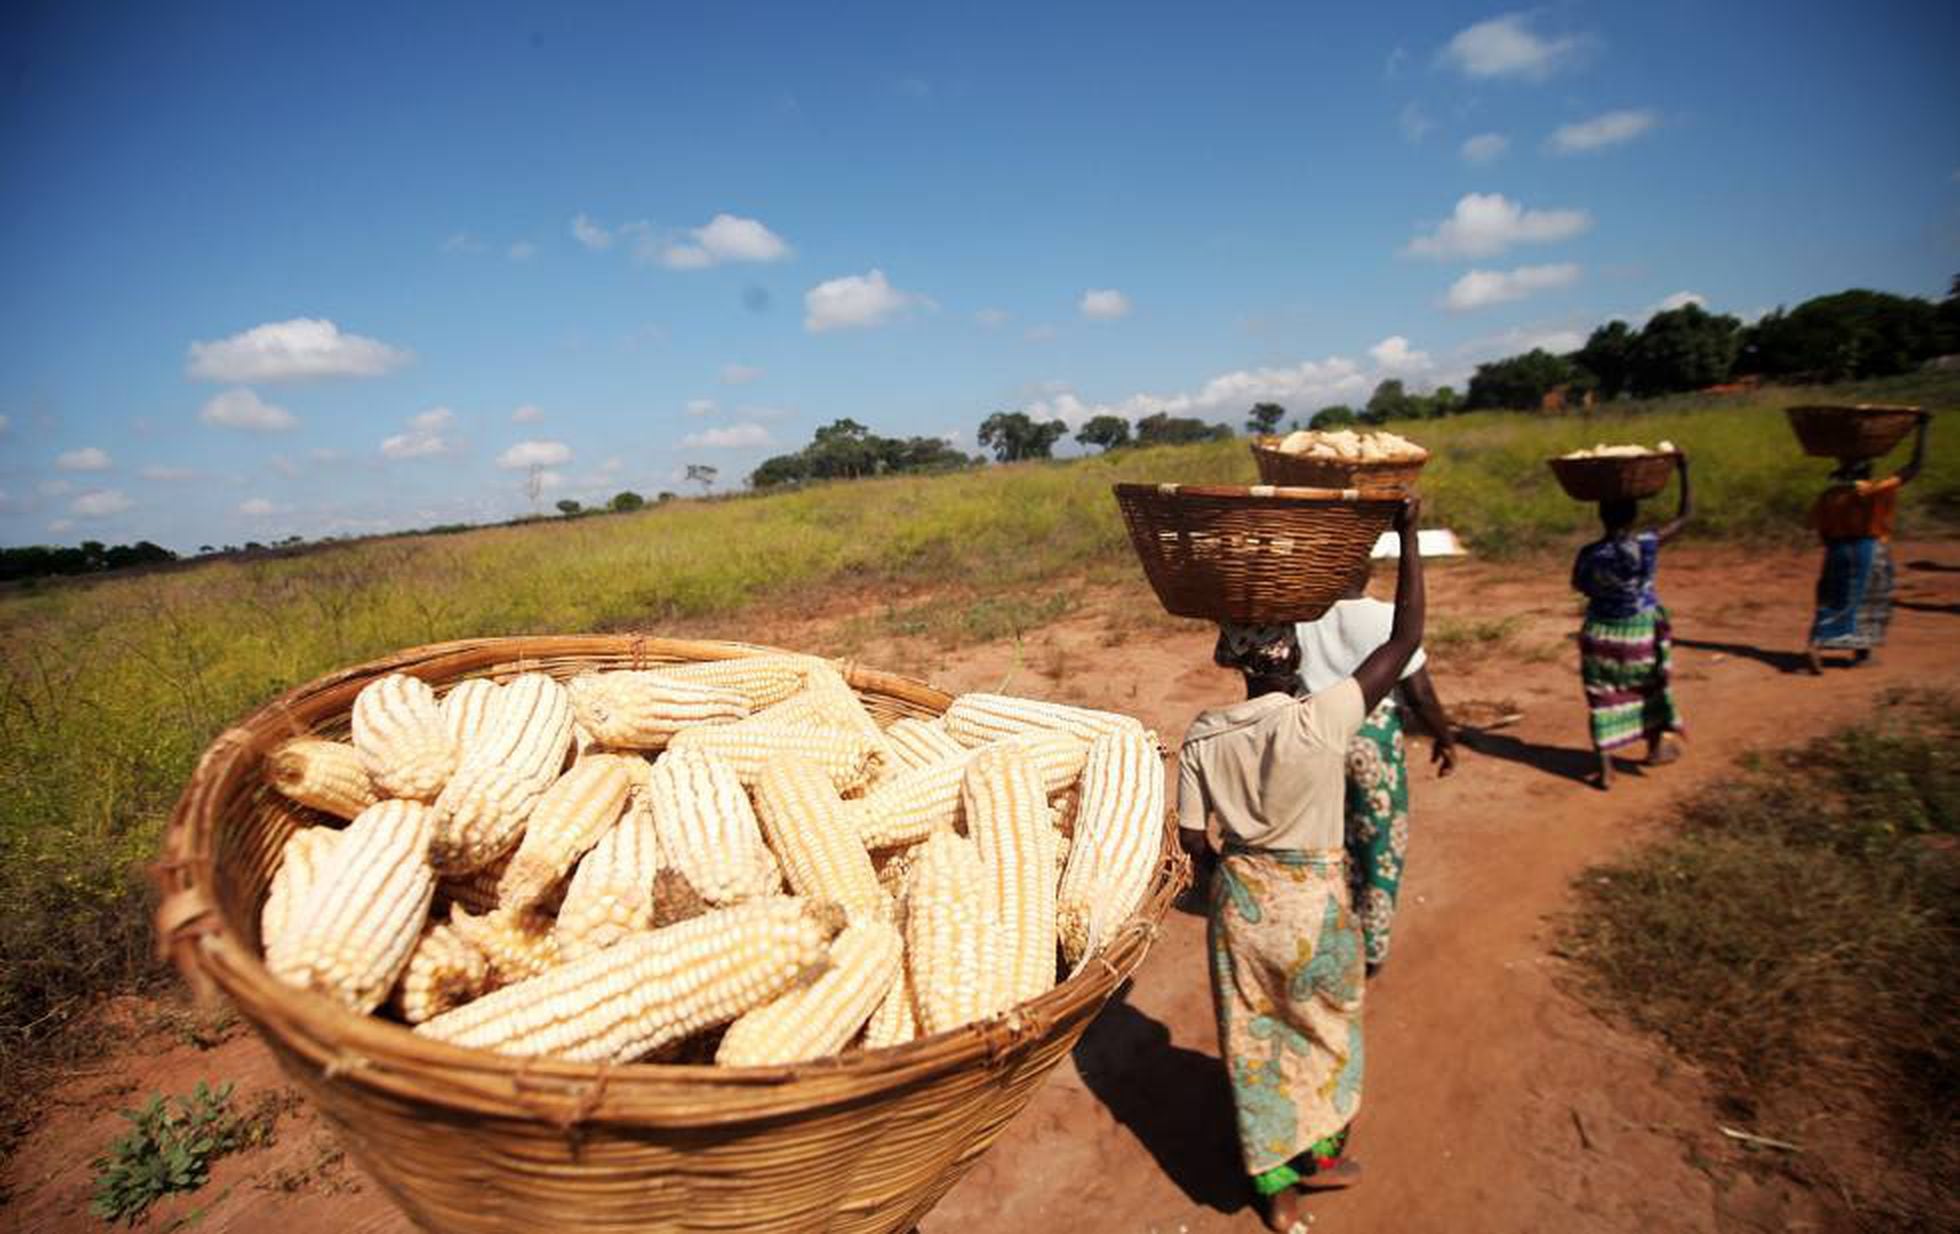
x: 1482, y: 288
x: 1414, y: 123
x: 425, y: 437
x: 305, y: 347
x: 730, y: 437
x: 1393, y: 354
x: 257, y: 507
x: 535, y: 454
x: 529, y: 413
x: 1485, y: 148
x: 854, y: 301
x: 88, y: 458
x: 462, y: 242
x: 1106, y: 304
x: 169, y: 475
x: 992, y: 318
x: 61, y: 524
x: 1304, y: 387
x: 239, y: 408
x: 1485, y: 224
x: 434, y: 420
x: 523, y: 250
x: 591, y: 234
x: 702, y: 407
x: 1680, y: 299
x: 739, y: 374
x: 1506, y: 47
x: 727, y: 237
x: 1609, y: 129
x: 1397, y: 60
x: 100, y: 503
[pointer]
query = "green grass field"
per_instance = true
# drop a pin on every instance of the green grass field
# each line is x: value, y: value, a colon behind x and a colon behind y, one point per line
x: 113, y: 686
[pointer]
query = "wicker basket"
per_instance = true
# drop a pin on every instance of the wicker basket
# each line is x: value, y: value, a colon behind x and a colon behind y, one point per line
x: 1855, y: 431
x: 1259, y: 555
x: 1301, y: 471
x: 1626, y: 477
x: 473, y: 1141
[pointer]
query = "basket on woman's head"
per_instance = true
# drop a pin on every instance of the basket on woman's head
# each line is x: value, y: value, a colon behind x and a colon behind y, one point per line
x: 1851, y: 431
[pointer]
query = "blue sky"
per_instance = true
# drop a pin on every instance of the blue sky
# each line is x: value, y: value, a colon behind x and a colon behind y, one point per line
x: 277, y: 269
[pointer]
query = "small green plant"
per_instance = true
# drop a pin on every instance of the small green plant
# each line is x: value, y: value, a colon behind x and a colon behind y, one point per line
x: 171, y: 1148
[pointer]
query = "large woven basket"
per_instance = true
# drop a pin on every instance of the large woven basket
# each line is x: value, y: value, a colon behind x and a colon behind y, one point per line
x: 1278, y: 467
x: 467, y: 1140
x: 1630, y: 477
x: 1259, y: 555
x: 1851, y: 431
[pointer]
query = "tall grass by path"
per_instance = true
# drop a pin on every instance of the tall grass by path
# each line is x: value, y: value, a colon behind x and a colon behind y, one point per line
x: 109, y: 688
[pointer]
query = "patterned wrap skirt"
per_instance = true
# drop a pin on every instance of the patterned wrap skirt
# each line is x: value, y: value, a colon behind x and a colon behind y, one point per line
x: 1377, y: 824
x: 1854, y: 595
x: 1286, y: 981
x: 1625, y: 666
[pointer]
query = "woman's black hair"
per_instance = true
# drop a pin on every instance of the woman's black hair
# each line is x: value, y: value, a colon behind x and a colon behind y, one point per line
x: 1619, y: 513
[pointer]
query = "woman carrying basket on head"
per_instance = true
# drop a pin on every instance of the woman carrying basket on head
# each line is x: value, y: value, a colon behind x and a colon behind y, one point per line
x: 1286, y: 951
x: 1854, y: 593
x: 1626, y: 643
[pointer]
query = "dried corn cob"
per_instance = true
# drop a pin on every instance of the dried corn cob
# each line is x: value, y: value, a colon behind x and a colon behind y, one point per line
x: 443, y: 972
x: 354, y: 930
x: 469, y: 710
x: 707, y: 829
x: 820, y: 1019
x: 475, y: 891
x: 764, y: 680
x: 402, y: 741
x: 920, y: 743
x: 647, y: 990
x: 482, y: 811
x: 813, y: 832
x: 569, y: 819
x: 976, y: 719
x: 949, y: 935
x: 894, y: 866
x: 327, y: 776
x: 300, y: 861
x: 1119, y: 829
x: 893, y: 1023
x: 611, y: 892
x: 518, y: 942
x: 911, y: 805
x: 824, y: 682
x: 641, y: 711
x: 1007, y: 816
x: 844, y: 757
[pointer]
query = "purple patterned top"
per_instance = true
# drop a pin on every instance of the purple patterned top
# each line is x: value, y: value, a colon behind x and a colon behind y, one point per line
x: 1616, y: 575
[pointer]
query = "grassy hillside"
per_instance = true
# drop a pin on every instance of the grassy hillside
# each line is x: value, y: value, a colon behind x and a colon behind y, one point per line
x: 112, y: 687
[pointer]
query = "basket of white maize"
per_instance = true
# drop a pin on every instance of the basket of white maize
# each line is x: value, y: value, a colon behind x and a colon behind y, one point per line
x: 608, y: 933
x: 1341, y: 458
x: 1852, y: 431
x: 1615, y: 473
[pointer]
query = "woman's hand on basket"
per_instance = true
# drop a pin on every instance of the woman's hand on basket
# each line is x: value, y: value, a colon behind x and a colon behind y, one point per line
x: 1408, y: 513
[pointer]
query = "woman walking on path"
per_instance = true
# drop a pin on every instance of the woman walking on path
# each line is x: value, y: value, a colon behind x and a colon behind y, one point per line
x: 1626, y: 642
x: 1377, y: 828
x: 1854, y: 593
x: 1286, y: 956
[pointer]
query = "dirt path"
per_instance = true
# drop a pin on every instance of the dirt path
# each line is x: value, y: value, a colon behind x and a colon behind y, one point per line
x: 1493, y: 1102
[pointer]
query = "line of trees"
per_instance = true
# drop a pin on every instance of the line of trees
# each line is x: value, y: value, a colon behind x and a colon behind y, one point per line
x: 623, y: 502
x: 845, y: 450
x: 90, y: 557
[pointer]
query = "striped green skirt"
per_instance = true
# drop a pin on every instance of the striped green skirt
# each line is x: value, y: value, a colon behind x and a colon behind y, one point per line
x: 1624, y: 666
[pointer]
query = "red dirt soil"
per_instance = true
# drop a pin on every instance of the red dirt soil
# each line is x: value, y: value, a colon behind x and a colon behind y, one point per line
x: 1493, y: 1101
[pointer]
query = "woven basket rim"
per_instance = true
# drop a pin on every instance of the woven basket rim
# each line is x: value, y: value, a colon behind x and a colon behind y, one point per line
x: 1620, y: 460
x: 1857, y: 409
x: 194, y: 931
x: 1269, y: 494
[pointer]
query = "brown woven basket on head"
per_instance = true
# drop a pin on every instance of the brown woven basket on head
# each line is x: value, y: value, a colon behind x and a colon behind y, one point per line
x: 1851, y: 431
x: 1300, y: 471
x: 1258, y: 555
x: 468, y: 1140
x: 1630, y: 477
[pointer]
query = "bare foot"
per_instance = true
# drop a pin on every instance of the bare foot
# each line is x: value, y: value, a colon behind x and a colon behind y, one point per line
x: 1604, y: 780
x: 1816, y: 661
x: 1661, y: 752
x: 1283, y: 1212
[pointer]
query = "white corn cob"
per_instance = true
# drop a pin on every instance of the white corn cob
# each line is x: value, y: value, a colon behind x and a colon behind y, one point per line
x: 825, y: 682
x: 611, y: 892
x: 920, y: 743
x: 893, y: 1023
x: 820, y: 1019
x: 894, y: 866
x: 300, y: 861
x: 647, y: 990
x: 569, y: 819
x: 641, y: 711
x: 518, y: 942
x: 443, y: 972
x: 327, y: 776
x: 469, y: 709
x: 949, y: 935
x: 707, y: 829
x: 764, y: 680
x: 476, y: 891
x: 911, y: 805
x: 976, y: 719
x: 354, y: 930
x: 482, y: 811
x: 1119, y: 830
x: 1007, y: 816
x: 814, y: 834
x: 402, y: 741
x: 846, y: 758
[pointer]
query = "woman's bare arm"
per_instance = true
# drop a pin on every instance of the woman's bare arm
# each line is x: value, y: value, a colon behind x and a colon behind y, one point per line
x: 1673, y: 526
x: 1421, y: 693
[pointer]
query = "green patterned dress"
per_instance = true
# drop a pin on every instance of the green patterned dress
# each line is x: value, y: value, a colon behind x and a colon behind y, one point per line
x: 1377, y: 824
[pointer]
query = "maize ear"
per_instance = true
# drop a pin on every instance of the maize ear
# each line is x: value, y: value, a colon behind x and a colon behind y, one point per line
x: 443, y: 972
x: 976, y: 719
x: 707, y: 829
x: 911, y: 805
x: 475, y: 891
x: 400, y: 736
x: 1007, y: 816
x: 813, y: 833
x: 825, y: 683
x: 642, y: 711
x: 893, y: 1023
x: 764, y: 680
x: 470, y: 709
x: 482, y: 811
x: 647, y: 990
x: 950, y: 928
x: 518, y: 942
x: 327, y: 776
x: 1119, y: 832
x: 568, y: 820
x: 300, y: 860
x: 894, y: 866
x: 846, y: 758
x: 920, y: 743
x: 611, y: 893
x: 359, y: 921
x: 820, y: 1019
